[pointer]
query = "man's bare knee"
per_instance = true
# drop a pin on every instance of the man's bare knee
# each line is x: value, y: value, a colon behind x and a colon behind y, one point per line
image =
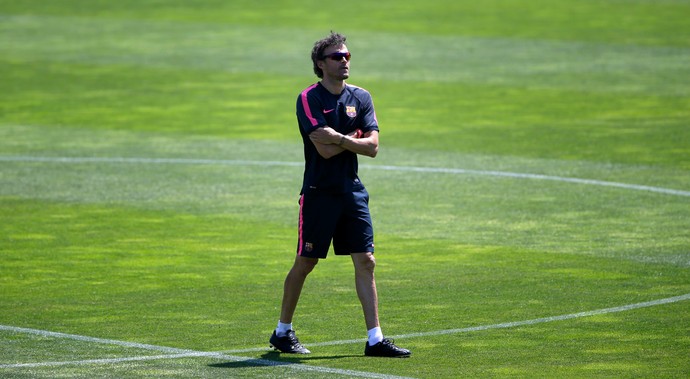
x: 303, y: 266
x: 364, y: 262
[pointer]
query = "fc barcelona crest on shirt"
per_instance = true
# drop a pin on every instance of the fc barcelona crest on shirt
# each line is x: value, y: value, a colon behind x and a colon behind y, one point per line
x: 351, y: 111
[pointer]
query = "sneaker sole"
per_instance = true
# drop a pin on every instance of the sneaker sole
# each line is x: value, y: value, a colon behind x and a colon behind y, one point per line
x: 289, y: 352
x: 390, y: 356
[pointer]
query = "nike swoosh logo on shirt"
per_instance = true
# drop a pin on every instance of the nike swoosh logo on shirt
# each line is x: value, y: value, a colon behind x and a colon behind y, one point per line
x: 328, y: 110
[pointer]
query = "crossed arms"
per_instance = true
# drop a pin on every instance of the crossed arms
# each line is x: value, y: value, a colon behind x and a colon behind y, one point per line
x: 330, y: 143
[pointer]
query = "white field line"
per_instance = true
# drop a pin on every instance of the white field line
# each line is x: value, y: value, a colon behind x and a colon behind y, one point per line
x: 513, y: 324
x: 103, y: 360
x: 174, y: 353
x: 182, y: 353
x: 439, y: 170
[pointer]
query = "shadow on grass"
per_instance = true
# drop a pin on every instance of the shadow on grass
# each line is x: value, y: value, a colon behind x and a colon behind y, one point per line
x: 276, y: 359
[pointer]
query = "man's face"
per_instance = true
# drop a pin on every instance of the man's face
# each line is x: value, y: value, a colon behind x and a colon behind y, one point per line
x: 336, y: 63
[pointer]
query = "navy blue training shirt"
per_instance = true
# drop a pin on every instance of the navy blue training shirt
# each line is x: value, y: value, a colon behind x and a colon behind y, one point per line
x: 351, y: 110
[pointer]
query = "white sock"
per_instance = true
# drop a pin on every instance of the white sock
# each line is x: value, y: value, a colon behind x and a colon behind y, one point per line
x: 282, y: 329
x: 375, y: 335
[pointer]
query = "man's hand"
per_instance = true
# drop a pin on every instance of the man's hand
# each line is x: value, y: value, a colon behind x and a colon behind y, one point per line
x: 328, y: 135
x: 325, y: 135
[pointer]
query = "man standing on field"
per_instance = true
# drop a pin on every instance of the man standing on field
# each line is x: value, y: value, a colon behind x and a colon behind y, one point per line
x: 337, y: 122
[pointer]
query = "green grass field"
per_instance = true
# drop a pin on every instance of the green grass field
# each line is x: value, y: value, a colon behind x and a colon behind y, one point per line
x: 531, y: 196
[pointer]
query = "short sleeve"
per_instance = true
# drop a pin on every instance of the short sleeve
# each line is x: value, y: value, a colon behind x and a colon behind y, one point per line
x: 309, y: 111
x: 369, y: 121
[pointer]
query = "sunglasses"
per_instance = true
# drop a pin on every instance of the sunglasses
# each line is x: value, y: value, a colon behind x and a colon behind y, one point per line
x: 338, y: 56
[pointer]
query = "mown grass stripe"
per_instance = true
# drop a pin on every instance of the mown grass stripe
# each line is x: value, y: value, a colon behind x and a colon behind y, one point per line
x: 580, y: 65
x: 439, y: 170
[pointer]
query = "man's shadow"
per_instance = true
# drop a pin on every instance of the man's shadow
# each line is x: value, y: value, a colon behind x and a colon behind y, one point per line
x: 274, y: 358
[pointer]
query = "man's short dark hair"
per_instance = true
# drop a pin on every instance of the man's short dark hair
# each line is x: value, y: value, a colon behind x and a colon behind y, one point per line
x: 333, y: 39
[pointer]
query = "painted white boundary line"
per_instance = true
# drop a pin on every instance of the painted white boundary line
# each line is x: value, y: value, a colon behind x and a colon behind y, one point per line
x: 596, y: 312
x: 182, y: 353
x: 439, y: 170
x: 518, y: 175
x: 102, y: 361
x: 513, y: 324
x: 174, y: 353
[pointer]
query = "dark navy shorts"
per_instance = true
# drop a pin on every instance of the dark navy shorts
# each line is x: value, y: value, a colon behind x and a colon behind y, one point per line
x: 342, y: 218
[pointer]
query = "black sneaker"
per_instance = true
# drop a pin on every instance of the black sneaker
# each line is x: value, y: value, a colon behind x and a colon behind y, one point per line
x: 386, y: 348
x: 288, y: 344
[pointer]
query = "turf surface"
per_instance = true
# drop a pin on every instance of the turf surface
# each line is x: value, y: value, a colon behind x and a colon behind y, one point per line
x: 150, y: 164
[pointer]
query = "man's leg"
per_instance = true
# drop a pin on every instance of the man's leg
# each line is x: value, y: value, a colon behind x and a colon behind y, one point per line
x: 376, y: 346
x: 366, y: 287
x: 292, y: 287
x: 283, y: 338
